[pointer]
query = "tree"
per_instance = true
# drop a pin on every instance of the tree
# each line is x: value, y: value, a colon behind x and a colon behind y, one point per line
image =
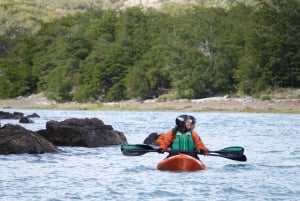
x: 149, y: 77
x: 273, y: 49
x: 16, y: 71
x: 204, y: 60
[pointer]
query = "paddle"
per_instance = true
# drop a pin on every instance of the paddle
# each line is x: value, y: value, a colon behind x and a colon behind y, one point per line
x: 233, y: 153
x: 241, y: 157
x: 137, y: 149
x: 229, y: 150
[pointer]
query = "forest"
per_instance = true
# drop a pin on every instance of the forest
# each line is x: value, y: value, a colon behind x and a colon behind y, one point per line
x: 135, y: 53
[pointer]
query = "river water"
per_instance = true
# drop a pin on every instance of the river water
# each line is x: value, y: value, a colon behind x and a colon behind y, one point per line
x: 272, y: 172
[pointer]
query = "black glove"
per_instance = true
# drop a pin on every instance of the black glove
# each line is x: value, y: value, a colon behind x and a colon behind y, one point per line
x: 160, y: 150
x: 201, y: 151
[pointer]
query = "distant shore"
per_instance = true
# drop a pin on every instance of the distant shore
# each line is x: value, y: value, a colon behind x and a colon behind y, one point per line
x: 225, y: 104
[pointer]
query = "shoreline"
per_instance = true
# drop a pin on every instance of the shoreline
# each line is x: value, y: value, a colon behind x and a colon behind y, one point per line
x: 220, y: 104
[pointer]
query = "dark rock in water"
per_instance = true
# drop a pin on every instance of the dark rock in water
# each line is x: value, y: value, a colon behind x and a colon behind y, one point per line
x: 25, y: 120
x: 14, y: 139
x: 82, y: 132
x: 8, y: 115
x: 33, y: 115
x: 151, y: 139
x: 16, y: 115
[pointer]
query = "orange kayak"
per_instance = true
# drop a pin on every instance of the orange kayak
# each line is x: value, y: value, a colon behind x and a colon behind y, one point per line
x: 181, y: 163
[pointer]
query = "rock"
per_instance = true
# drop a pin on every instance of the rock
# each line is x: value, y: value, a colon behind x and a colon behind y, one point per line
x: 33, y: 115
x: 8, y: 115
x: 151, y: 139
x: 25, y: 120
x: 82, y: 132
x: 14, y: 139
x: 16, y: 115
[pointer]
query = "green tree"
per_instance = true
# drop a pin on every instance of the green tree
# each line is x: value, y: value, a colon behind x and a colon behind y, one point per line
x: 204, y: 60
x: 61, y: 48
x: 130, y: 43
x: 278, y: 30
x: 16, y: 71
x: 149, y: 77
x: 272, y: 56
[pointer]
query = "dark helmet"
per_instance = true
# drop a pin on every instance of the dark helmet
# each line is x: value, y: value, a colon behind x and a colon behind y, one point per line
x: 192, y: 118
x: 180, y: 121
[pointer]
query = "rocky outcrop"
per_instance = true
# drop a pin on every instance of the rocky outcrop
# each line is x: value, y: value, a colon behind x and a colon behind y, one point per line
x: 14, y: 139
x: 33, y: 115
x: 82, y: 132
x: 18, y: 115
x: 8, y: 115
x: 25, y: 120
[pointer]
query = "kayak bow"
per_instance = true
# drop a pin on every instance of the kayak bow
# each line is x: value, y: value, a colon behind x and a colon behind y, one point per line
x: 181, y: 163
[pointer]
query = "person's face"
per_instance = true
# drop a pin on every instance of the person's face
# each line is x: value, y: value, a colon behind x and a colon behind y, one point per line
x: 188, y: 124
x: 193, y: 126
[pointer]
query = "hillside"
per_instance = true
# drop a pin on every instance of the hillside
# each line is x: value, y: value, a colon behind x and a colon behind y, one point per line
x: 175, y: 52
x: 28, y: 15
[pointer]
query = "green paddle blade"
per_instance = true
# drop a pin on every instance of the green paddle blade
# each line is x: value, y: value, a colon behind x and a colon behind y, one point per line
x: 231, y: 150
x: 136, y: 147
x: 233, y: 153
x: 136, y: 150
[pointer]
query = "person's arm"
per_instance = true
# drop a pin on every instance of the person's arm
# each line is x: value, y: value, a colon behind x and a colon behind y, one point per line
x: 164, y: 140
x: 199, y: 143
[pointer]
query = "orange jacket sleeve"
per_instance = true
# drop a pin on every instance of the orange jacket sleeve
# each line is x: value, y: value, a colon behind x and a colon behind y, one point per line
x: 198, y: 142
x: 164, y: 140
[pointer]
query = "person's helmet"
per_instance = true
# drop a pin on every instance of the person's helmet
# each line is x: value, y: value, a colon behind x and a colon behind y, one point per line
x: 194, y: 121
x: 180, y: 121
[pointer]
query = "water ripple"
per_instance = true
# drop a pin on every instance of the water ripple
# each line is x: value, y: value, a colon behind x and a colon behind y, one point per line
x: 272, y: 171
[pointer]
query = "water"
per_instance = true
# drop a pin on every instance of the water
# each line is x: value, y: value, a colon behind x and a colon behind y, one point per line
x: 271, y: 143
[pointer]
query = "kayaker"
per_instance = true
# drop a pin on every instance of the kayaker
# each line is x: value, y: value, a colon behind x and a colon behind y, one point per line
x: 183, y: 138
x: 152, y: 137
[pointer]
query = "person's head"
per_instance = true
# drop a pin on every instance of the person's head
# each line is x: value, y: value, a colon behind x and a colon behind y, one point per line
x: 183, y: 123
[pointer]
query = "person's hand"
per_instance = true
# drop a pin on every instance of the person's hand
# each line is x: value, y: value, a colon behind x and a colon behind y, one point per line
x: 204, y: 152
